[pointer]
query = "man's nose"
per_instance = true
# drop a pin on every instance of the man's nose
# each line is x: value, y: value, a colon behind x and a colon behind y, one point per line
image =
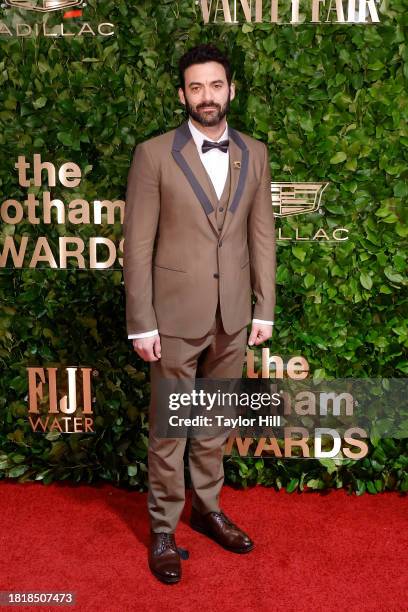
x: 206, y: 94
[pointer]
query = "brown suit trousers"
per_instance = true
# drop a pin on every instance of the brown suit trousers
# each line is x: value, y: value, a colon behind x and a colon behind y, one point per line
x: 216, y: 355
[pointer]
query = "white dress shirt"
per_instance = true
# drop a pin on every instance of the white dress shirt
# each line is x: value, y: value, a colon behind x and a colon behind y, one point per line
x: 216, y: 163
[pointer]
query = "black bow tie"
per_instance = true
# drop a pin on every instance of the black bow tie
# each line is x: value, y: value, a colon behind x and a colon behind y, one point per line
x: 209, y: 144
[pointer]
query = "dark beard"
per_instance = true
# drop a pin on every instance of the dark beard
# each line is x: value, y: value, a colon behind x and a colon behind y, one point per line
x: 213, y: 119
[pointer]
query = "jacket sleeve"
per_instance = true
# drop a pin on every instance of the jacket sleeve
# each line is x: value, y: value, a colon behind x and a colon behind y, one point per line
x: 262, y: 246
x: 139, y: 231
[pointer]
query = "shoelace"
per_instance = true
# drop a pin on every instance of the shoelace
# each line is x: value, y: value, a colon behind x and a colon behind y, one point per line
x: 226, y: 519
x: 230, y: 523
x: 167, y: 541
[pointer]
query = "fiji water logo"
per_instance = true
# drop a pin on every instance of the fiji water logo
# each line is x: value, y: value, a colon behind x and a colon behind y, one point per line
x: 60, y: 399
x: 43, y: 6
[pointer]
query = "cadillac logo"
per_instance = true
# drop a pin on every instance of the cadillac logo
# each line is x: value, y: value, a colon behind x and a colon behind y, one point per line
x: 296, y: 198
x: 43, y: 6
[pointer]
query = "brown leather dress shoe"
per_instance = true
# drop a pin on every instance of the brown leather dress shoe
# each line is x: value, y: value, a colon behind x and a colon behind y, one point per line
x: 164, y: 559
x: 222, y: 530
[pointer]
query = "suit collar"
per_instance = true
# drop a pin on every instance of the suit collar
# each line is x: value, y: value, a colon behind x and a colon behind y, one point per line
x: 185, y: 153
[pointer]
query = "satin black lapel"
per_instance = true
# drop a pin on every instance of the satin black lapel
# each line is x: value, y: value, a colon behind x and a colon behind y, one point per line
x: 192, y: 169
x: 238, y: 152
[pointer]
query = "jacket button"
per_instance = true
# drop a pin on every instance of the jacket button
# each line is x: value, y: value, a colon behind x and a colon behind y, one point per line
x: 220, y: 243
x: 221, y: 209
x: 216, y: 275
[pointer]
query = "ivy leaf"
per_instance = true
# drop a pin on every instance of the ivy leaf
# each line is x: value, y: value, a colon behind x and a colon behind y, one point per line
x: 40, y: 102
x: 66, y: 138
x: 306, y: 124
x: 394, y: 277
x: 17, y: 471
x: 314, y: 483
x: 132, y: 470
x: 366, y: 280
x: 292, y: 486
x: 338, y: 158
x: 402, y: 366
x: 298, y: 253
x: 401, y: 189
x: 329, y: 464
x: 309, y: 280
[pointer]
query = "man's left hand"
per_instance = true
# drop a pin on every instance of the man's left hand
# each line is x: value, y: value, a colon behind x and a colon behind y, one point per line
x: 259, y: 333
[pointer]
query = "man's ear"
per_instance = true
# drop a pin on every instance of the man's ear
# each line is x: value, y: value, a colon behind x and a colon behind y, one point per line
x: 181, y: 96
x: 232, y: 91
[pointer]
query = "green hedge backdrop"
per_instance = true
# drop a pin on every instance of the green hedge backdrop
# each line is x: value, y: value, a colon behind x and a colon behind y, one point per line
x: 331, y: 103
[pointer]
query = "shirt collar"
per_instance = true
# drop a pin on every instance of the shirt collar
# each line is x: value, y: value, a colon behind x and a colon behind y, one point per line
x: 199, y: 137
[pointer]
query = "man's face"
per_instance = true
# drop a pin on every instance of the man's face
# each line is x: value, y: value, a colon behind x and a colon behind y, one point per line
x: 207, y: 95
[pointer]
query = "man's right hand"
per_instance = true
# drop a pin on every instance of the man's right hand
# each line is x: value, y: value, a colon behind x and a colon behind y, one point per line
x: 149, y: 348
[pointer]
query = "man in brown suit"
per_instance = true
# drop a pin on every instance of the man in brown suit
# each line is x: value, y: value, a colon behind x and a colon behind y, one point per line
x: 199, y: 240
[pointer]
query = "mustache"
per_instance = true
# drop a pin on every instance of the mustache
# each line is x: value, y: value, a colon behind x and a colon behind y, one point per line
x: 205, y: 105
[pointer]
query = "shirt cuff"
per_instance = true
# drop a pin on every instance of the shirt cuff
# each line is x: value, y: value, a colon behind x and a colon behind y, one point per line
x: 262, y: 321
x: 147, y: 334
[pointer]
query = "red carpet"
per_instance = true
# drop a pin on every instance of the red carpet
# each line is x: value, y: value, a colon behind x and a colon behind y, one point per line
x: 314, y: 552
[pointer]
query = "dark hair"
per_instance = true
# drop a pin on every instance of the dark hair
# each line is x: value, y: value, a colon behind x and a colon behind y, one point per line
x: 201, y: 54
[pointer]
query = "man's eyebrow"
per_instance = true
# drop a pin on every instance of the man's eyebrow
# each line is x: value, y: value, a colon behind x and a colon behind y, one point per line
x: 198, y: 82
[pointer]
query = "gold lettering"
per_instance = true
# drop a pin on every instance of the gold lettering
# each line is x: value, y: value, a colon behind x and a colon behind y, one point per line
x: 5, y: 212
x: 297, y: 368
x: 70, y: 174
x: 272, y: 447
x: 34, y: 390
x: 353, y: 442
x: 339, y: 11
x: 4, y: 29
x: 86, y: 28
x: 32, y: 203
x: 109, y: 33
x: 86, y: 390
x: 250, y: 358
x: 274, y: 11
x: 42, y: 243
x: 292, y: 443
x: 10, y: 247
x: 340, y: 229
x: 65, y: 407
x: 320, y: 234
x: 363, y: 4
x: 316, y: 10
x: 93, y: 242
x: 295, y: 11
x: 247, y: 8
x: 305, y: 403
x: 79, y: 211
x: 48, y: 204
x: 242, y: 444
x: 110, y: 210
x: 39, y: 166
x: 76, y: 253
x: 20, y: 29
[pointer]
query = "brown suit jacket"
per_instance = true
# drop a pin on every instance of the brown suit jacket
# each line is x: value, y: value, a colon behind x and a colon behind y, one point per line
x: 173, y: 249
